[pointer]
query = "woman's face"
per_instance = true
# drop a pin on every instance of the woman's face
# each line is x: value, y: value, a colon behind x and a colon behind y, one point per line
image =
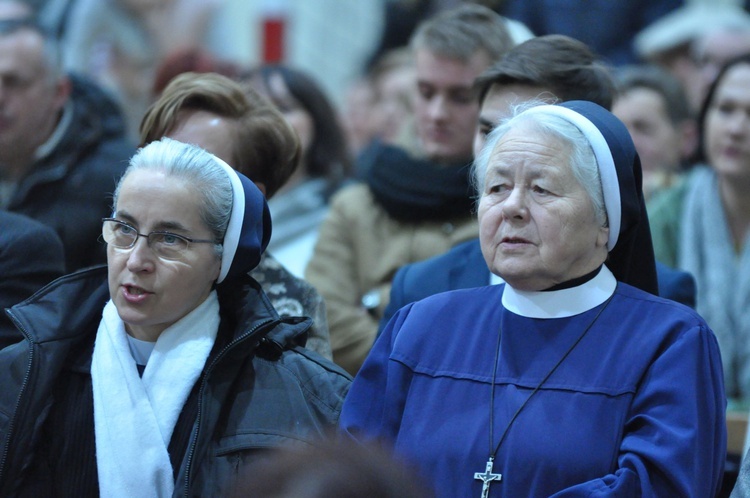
x: 151, y: 293
x: 293, y: 111
x: 727, y: 125
x: 537, y: 223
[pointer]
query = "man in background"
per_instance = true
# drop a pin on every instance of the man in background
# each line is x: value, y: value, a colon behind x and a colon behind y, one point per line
x: 412, y: 204
x: 552, y: 68
x: 62, y: 139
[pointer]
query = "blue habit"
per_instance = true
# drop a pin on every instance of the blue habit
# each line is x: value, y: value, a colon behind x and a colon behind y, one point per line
x: 636, y: 409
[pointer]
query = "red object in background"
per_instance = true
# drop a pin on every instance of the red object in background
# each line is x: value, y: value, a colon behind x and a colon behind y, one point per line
x: 273, y: 39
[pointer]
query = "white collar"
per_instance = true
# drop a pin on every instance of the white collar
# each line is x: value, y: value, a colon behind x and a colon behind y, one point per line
x: 561, y: 303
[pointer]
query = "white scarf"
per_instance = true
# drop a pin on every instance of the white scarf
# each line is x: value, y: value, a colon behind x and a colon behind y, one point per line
x: 134, y: 417
x: 722, y: 277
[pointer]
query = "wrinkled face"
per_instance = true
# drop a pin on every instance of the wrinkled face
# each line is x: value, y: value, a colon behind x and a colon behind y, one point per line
x: 727, y: 125
x: 498, y: 103
x: 537, y: 223
x: 151, y: 293
x: 30, y: 100
x: 657, y: 140
x: 446, y: 108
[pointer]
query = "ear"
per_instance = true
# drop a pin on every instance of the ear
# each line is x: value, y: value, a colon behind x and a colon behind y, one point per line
x: 602, y: 237
x: 218, y: 270
x: 63, y: 88
x: 262, y: 187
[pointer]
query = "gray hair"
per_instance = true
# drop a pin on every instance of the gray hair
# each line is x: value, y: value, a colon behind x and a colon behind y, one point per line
x: 461, y: 32
x: 195, y: 166
x: 581, y: 156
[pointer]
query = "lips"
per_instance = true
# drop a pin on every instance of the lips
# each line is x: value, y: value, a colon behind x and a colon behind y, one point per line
x: 732, y: 152
x: 135, y: 294
x: 514, y: 240
x: 438, y: 133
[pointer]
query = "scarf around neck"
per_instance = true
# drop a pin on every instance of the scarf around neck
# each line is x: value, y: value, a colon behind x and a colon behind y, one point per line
x: 134, y: 417
x: 722, y: 276
x: 415, y: 190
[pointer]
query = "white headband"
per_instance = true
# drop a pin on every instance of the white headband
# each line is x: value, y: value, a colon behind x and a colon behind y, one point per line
x: 605, y: 161
x: 234, y: 228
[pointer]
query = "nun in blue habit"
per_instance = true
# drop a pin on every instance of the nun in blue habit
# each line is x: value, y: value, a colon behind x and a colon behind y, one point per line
x: 572, y: 378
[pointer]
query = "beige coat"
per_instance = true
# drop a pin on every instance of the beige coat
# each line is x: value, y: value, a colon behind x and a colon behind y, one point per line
x: 359, y: 249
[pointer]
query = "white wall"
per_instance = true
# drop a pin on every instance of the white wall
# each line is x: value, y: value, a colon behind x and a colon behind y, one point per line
x: 330, y: 39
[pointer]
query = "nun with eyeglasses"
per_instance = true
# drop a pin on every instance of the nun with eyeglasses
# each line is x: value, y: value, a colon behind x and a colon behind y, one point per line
x: 167, y: 371
x: 571, y: 378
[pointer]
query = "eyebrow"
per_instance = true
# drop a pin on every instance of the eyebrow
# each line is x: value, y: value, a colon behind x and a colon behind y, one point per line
x: 535, y: 171
x: 160, y: 226
x: 450, y: 88
x: 482, y: 121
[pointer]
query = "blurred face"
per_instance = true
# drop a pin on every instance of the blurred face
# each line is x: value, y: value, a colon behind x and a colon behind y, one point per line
x: 151, y: 293
x: 537, y: 223
x: 395, y: 101
x: 497, y: 104
x: 716, y: 49
x: 658, y: 141
x: 30, y: 100
x: 206, y: 130
x: 358, y: 108
x: 727, y: 125
x: 293, y: 111
x: 212, y: 132
x: 446, y: 108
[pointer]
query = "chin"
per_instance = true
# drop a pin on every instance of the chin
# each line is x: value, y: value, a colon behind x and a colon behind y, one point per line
x: 521, y: 281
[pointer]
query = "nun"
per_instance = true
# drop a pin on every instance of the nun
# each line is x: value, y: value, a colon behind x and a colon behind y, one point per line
x: 167, y: 371
x: 571, y: 378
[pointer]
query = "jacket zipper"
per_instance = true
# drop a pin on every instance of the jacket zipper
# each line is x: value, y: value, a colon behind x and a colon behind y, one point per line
x: 194, y: 440
x: 24, y: 385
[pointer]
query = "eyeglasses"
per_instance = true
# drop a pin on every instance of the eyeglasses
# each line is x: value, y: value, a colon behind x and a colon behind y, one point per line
x: 166, y: 245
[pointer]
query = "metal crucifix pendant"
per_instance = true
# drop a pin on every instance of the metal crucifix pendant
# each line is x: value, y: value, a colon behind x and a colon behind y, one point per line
x: 487, y: 477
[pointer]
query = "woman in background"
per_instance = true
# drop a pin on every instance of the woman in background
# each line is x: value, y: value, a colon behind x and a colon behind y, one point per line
x: 701, y: 225
x: 300, y: 206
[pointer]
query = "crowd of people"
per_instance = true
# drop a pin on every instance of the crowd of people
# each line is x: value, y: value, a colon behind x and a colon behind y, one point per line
x: 512, y: 261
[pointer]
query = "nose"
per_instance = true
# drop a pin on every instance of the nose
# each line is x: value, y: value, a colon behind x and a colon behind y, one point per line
x: 141, y: 257
x: 738, y: 123
x: 437, y: 109
x: 515, y: 207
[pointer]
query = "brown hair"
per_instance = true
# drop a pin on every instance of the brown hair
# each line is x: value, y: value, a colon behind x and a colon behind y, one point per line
x: 266, y: 148
x: 461, y: 32
x: 558, y: 63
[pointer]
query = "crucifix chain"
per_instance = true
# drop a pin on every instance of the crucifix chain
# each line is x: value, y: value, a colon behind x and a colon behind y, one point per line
x: 487, y: 477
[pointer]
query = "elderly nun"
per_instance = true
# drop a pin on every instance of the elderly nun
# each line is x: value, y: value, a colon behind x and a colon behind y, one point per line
x: 571, y: 378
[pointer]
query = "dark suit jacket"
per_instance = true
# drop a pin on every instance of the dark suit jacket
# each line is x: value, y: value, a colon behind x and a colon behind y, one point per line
x: 464, y: 267
x: 31, y: 255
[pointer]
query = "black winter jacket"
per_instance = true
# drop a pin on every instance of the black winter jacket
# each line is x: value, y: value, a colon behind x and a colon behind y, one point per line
x: 259, y: 389
x: 70, y: 189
